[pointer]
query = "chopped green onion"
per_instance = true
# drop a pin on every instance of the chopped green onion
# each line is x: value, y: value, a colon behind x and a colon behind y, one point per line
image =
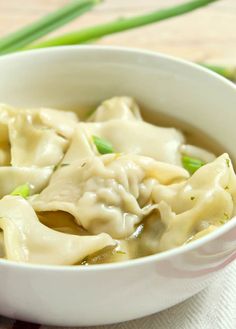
x: 120, y: 252
x: 224, y: 219
x: 22, y: 190
x: 102, y: 145
x: 191, y: 164
x: 228, y: 162
x: 64, y: 164
x: 97, y: 31
x: 60, y: 165
x: 23, y: 37
x: 226, y: 216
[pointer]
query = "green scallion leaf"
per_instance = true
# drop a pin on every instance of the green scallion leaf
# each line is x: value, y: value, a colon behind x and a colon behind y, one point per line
x: 102, y: 145
x: 226, y: 216
x: 23, y: 37
x: 98, y: 31
x: 22, y: 190
x: 120, y: 252
x: 60, y: 165
x: 192, y: 164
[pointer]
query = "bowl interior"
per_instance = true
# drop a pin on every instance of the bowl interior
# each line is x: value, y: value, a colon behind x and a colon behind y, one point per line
x: 79, y: 77
x: 75, y: 78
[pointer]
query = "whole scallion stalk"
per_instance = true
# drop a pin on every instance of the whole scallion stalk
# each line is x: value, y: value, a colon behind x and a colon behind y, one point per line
x: 45, y: 25
x: 101, y: 30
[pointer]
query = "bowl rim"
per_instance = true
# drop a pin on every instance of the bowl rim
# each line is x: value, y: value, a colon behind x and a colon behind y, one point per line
x: 165, y: 255
x: 132, y: 51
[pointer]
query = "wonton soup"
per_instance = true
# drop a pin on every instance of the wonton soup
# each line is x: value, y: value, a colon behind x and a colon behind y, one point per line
x: 110, y: 188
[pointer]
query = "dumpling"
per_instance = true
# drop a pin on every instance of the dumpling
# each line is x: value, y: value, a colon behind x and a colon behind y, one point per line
x: 11, y: 177
x: 32, y: 145
x: 80, y: 147
x: 63, y: 122
x: 27, y: 240
x: 197, y: 152
x: 118, y: 121
x: 127, y: 137
x: 2, y: 251
x: 206, y: 199
x: 34, y: 137
x: 138, y: 137
x: 108, y: 194
x: 5, y: 115
x: 124, y: 108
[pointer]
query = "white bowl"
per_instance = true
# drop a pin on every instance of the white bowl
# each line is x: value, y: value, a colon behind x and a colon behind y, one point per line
x: 69, y: 77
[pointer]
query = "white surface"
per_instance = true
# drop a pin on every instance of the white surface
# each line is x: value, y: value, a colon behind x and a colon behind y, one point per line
x: 78, y: 76
x: 213, y: 308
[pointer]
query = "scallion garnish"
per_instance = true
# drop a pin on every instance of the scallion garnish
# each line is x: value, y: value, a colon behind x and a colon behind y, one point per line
x: 60, y: 165
x: 25, y: 36
x: 102, y: 145
x: 192, y: 164
x: 22, y: 190
x: 120, y: 252
x: 98, y: 31
x: 226, y: 216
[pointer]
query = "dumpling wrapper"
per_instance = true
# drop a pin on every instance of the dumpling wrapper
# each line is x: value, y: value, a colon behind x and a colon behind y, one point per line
x: 2, y: 251
x: 34, y: 137
x: 6, y: 114
x: 206, y: 198
x: 63, y: 122
x: 138, y: 137
x: 124, y: 108
x: 197, y: 152
x: 34, y: 146
x: 12, y: 177
x: 80, y: 147
x: 108, y: 194
x: 27, y: 240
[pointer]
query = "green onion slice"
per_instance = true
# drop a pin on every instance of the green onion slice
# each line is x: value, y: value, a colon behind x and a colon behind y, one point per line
x: 102, y: 145
x: 192, y: 164
x: 22, y: 190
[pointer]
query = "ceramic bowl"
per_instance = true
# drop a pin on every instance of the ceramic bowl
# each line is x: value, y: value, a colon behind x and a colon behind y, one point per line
x: 79, y: 77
